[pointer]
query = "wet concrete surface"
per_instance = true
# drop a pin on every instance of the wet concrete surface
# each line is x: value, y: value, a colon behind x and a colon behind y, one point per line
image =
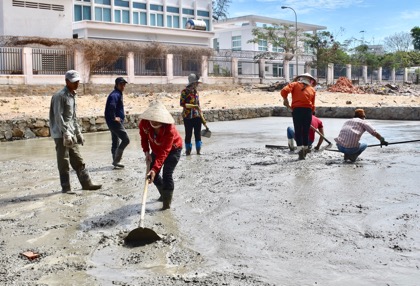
x: 242, y: 214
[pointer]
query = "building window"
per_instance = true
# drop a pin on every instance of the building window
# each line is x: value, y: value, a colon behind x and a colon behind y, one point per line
x: 82, y: 13
x: 236, y: 43
x: 122, y: 3
x: 140, y: 18
x: 122, y: 16
x: 172, y: 21
x: 102, y: 14
x: 156, y: 7
x: 172, y: 9
x: 277, y: 49
x: 188, y: 11
x: 216, y: 44
x: 207, y: 24
x: 262, y: 45
x: 139, y: 5
x: 203, y: 13
x: 104, y: 2
x: 156, y: 20
x: 278, y: 70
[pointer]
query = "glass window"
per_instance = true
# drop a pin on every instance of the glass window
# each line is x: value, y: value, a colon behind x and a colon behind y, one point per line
x: 172, y: 9
x: 207, y: 24
x: 278, y: 49
x: 203, y: 13
x: 262, y: 45
x: 104, y: 2
x: 139, y: 5
x: 136, y: 18
x: 184, y: 21
x: 236, y: 43
x: 188, y: 11
x: 159, y: 20
x: 216, y: 44
x: 82, y: 13
x: 156, y: 7
x: 122, y: 3
x: 102, y: 14
x: 117, y: 16
x: 126, y: 17
x: 172, y: 21
x: 143, y: 18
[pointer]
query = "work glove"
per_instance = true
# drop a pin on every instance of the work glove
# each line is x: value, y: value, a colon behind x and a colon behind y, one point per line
x: 383, y: 142
x: 80, y: 139
x: 68, y: 140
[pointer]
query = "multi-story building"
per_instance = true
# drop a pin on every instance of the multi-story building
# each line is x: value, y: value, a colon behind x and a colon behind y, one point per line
x: 234, y: 34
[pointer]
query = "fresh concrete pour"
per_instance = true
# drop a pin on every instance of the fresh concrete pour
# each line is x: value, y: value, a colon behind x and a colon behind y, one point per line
x: 242, y: 214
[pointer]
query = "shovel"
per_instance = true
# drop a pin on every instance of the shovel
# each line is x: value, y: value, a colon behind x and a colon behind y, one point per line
x: 142, y: 235
x: 206, y: 132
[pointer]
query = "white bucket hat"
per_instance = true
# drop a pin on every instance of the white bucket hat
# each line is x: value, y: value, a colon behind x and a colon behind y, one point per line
x: 158, y: 112
x: 307, y: 75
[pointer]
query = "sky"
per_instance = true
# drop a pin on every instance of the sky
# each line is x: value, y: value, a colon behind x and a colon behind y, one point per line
x: 370, y: 21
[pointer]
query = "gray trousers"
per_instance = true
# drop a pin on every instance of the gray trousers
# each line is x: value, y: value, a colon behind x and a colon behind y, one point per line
x: 67, y: 156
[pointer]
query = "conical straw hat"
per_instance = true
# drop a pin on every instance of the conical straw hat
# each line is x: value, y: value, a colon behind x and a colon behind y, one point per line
x: 308, y: 75
x: 158, y: 112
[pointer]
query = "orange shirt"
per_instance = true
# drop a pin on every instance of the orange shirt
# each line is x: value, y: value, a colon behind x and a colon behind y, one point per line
x: 300, y: 98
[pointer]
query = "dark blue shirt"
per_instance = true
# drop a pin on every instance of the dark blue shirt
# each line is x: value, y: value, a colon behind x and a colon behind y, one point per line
x: 114, y: 106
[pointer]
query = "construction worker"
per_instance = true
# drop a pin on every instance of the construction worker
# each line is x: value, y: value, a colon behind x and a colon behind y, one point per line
x: 350, y: 134
x: 316, y: 124
x: 303, y: 105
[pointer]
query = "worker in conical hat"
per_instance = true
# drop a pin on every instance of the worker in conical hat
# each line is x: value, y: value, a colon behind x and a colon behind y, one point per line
x: 162, y: 146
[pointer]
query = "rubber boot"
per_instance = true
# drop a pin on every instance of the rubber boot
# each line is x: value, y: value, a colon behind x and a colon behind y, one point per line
x: 167, y: 199
x: 301, y: 154
x: 291, y: 143
x: 198, y: 147
x: 305, y: 151
x: 159, y: 188
x: 117, y: 158
x: 188, y: 148
x: 65, y: 183
x: 86, y: 182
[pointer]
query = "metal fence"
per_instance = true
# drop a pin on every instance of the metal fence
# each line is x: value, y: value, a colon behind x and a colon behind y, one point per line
x: 220, y: 66
x: 52, y: 61
x: 185, y: 66
x: 11, y: 60
x: 248, y: 68
x: 149, y: 66
x: 119, y: 67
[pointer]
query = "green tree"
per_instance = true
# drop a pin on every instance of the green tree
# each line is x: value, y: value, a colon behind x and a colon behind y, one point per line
x: 220, y: 9
x: 325, y: 50
x: 281, y: 36
x: 415, y: 34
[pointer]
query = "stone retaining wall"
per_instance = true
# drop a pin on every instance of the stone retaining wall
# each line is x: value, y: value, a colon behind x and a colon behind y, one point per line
x: 38, y: 127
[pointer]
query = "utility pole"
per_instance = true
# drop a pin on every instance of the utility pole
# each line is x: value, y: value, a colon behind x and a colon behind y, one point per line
x: 296, y: 38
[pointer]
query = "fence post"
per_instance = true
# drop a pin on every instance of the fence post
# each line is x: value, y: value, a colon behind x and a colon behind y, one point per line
x: 405, y: 75
x: 27, y: 64
x: 393, y: 75
x: 169, y: 67
x: 235, y: 69
x: 82, y: 66
x: 380, y: 74
x: 365, y: 76
x: 286, y: 70
x: 204, y: 68
x: 330, y: 74
x: 261, y: 69
x: 348, y: 71
x: 130, y: 67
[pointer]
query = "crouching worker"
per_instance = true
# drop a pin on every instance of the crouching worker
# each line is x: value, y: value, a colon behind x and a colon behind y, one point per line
x: 67, y: 135
x: 317, y: 124
x: 350, y: 134
x: 162, y: 146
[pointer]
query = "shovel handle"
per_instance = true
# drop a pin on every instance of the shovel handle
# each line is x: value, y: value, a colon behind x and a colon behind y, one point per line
x: 143, y: 201
x: 320, y: 134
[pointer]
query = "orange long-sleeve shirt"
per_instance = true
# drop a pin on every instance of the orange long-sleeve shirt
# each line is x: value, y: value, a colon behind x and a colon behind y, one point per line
x: 300, y: 98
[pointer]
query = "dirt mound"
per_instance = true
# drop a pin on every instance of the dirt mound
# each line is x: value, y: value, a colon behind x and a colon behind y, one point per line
x: 344, y: 85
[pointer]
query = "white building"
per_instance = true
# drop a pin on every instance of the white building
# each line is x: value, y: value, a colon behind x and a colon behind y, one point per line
x: 39, y: 18
x: 234, y: 33
x: 162, y: 21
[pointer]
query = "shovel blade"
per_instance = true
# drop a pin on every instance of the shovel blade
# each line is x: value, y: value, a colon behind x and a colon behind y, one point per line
x: 206, y: 133
x: 141, y: 236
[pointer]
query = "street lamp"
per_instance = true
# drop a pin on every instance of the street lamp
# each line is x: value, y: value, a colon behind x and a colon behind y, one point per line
x: 296, y: 56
